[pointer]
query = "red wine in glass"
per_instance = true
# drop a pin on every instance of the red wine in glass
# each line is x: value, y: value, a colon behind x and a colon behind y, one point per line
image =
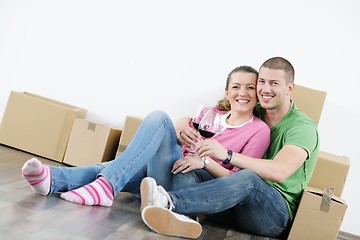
x: 209, y: 124
x: 196, y: 125
x: 206, y: 134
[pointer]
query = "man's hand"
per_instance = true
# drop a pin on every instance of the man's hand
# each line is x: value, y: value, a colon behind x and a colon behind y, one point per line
x: 211, y: 147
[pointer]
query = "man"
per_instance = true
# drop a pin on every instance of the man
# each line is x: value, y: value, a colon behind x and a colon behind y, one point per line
x: 260, y: 199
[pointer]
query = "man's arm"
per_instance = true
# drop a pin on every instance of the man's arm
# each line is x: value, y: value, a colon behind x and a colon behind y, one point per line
x: 285, y: 163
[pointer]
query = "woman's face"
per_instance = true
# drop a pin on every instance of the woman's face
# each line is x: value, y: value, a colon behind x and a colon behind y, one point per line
x: 241, y: 91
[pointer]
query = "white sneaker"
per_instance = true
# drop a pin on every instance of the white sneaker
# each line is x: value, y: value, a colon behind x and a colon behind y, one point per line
x: 166, y: 222
x: 153, y: 195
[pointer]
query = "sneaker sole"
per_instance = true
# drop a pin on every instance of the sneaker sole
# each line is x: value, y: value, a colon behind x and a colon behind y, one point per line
x: 146, y: 187
x: 163, y: 221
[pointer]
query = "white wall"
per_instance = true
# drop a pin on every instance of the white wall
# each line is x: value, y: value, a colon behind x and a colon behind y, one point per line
x: 118, y: 58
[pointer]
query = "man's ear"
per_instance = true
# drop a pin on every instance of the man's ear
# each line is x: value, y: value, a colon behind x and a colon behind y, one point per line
x: 290, y: 88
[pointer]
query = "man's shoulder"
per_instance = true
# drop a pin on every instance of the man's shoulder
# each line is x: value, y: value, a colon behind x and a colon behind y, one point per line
x: 298, y: 116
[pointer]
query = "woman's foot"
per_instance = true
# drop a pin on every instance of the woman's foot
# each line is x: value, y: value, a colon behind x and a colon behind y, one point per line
x: 37, y: 175
x: 99, y: 192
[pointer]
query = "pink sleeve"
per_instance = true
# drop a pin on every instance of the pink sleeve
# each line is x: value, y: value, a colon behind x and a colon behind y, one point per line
x: 256, y: 146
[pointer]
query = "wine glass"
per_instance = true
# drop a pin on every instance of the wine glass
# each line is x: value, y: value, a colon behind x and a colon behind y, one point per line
x: 209, y: 124
x: 195, y: 121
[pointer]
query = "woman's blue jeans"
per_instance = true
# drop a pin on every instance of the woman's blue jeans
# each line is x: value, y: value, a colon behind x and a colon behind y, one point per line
x: 152, y: 152
x: 242, y: 200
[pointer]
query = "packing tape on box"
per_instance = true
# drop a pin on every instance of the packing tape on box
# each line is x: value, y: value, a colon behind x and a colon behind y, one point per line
x: 326, y: 199
x: 92, y: 126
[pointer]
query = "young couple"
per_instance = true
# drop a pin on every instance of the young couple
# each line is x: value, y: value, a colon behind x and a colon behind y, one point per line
x: 250, y: 176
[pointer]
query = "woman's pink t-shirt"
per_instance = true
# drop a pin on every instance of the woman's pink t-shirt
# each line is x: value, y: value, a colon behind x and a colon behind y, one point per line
x: 251, y: 139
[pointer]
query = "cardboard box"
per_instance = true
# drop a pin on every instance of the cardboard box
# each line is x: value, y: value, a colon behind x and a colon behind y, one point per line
x: 131, y: 125
x: 38, y: 125
x: 330, y: 172
x: 91, y: 143
x: 319, y: 216
x: 309, y: 100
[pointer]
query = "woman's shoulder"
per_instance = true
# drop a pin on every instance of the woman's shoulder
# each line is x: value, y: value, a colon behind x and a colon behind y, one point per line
x: 260, y: 122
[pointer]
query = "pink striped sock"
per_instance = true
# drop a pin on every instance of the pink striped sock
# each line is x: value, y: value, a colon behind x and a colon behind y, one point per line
x: 99, y: 192
x: 37, y: 175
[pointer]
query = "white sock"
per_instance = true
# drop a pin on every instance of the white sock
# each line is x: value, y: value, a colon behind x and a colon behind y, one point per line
x: 37, y: 175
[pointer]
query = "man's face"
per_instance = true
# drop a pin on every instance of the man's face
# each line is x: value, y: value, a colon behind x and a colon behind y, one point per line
x: 272, y: 90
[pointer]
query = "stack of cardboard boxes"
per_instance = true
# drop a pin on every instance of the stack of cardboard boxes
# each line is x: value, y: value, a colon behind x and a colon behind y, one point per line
x: 61, y: 132
x: 56, y: 130
x: 38, y: 125
x: 321, y: 210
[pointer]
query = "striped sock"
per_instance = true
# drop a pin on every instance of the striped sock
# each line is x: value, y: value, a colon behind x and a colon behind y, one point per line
x: 37, y: 175
x: 99, y: 192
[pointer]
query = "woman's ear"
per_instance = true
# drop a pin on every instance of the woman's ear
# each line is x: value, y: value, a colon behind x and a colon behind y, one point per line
x: 226, y: 95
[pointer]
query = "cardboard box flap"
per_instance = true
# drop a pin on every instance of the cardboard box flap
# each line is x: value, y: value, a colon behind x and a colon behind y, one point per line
x: 52, y: 101
x: 334, y: 158
x: 322, y: 192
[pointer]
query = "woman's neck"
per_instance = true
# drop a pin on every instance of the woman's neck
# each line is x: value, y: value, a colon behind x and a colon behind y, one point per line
x: 236, y: 119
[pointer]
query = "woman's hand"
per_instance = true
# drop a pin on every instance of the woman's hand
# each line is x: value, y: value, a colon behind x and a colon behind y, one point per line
x: 211, y: 147
x: 187, y: 164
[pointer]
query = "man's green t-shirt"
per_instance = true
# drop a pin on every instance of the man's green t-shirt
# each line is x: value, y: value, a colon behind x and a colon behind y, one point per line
x: 297, y: 129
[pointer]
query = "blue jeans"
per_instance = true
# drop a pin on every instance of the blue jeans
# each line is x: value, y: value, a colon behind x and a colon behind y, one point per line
x: 242, y: 200
x: 152, y: 152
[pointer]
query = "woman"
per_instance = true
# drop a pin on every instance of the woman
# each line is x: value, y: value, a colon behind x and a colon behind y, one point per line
x: 156, y: 151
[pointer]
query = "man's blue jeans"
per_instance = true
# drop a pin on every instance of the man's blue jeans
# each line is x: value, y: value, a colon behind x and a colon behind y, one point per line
x: 242, y: 200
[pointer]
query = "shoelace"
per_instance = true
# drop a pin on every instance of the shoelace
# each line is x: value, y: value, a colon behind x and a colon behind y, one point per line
x: 166, y: 197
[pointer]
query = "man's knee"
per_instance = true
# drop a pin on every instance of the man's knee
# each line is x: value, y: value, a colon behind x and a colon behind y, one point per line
x: 181, y: 181
x: 246, y: 174
x: 246, y: 177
